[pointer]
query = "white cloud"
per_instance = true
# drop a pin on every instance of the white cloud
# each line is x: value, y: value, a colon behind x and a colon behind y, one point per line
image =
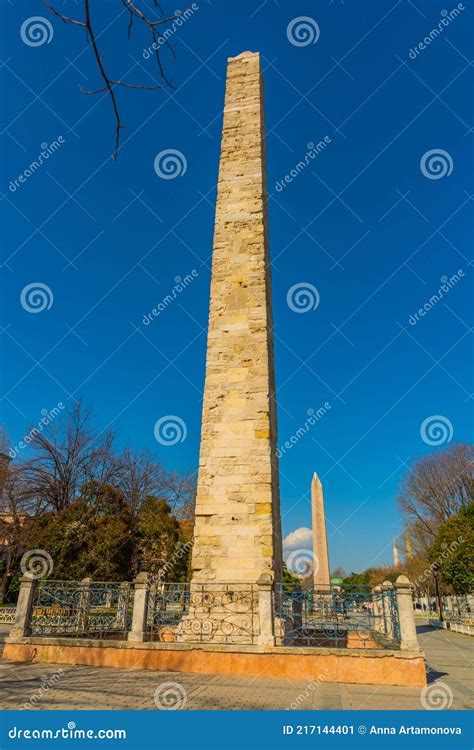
x: 299, y: 538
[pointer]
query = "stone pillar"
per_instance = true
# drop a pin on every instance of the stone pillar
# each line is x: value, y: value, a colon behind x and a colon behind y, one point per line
x: 377, y: 609
x: 406, y: 616
x: 24, y: 607
x: 266, y: 635
x: 321, y: 574
x: 140, y: 608
x: 84, y: 605
x: 386, y: 587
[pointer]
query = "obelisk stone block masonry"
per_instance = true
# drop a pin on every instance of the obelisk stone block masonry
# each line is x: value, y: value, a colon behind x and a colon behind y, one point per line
x: 237, y: 533
x: 321, y: 575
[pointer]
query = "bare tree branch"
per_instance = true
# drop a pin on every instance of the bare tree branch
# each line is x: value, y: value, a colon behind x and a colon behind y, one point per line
x: 63, y: 18
x: 134, y: 11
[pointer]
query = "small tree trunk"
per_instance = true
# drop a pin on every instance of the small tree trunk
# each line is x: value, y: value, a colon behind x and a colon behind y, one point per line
x: 438, y: 597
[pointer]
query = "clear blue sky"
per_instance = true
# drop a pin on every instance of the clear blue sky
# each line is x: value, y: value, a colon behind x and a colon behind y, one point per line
x: 361, y: 223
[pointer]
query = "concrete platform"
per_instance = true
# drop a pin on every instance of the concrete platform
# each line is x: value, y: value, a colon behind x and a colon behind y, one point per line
x: 358, y: 666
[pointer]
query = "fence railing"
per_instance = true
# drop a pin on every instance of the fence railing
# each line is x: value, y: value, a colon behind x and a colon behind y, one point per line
x: 197, y: 612
x: 7, y: 615
x: 263, y: 613
x: 339, y: 616
x: 86, y: 609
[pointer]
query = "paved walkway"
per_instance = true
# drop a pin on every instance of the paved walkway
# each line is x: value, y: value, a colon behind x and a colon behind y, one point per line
x: 44, y: 686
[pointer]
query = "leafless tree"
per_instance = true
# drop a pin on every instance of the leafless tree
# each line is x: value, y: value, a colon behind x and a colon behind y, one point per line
x: 140, y: 475
x: 67, y: 455
x: 15, y: 525
x: 436, y: 488
x: 138, y: 11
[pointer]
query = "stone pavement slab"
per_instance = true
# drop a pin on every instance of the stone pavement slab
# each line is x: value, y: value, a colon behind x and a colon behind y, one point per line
x: 50, y: 686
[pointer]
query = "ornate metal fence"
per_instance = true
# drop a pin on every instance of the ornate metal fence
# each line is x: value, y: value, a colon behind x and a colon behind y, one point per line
x: 214, y: 613
x: 203, y: 613
x: 7, y: 615
x: 82, y: 609
x: 348, y: 617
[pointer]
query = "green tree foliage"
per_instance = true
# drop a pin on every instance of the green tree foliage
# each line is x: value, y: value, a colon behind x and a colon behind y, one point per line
x: 160, y: 547
x: 289, y: 580
x: 357, y: 579
x: 93, y: 536
x: 453, y: 551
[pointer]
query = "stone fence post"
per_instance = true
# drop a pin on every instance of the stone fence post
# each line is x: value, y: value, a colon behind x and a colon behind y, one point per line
x: 140, y: 608
x: 377, y: 609
x: 266, y: 634
x: 406, y: 615
x: 387, y: 609
x: 24, y: 607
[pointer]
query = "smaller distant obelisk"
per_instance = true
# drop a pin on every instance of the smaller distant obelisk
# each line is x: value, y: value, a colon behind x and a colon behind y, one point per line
x: 396, y: 556
x: 320, y: 543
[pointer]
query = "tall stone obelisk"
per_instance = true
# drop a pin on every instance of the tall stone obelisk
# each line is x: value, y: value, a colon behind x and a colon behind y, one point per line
x: 321, y: 575
x: 237, y: 534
